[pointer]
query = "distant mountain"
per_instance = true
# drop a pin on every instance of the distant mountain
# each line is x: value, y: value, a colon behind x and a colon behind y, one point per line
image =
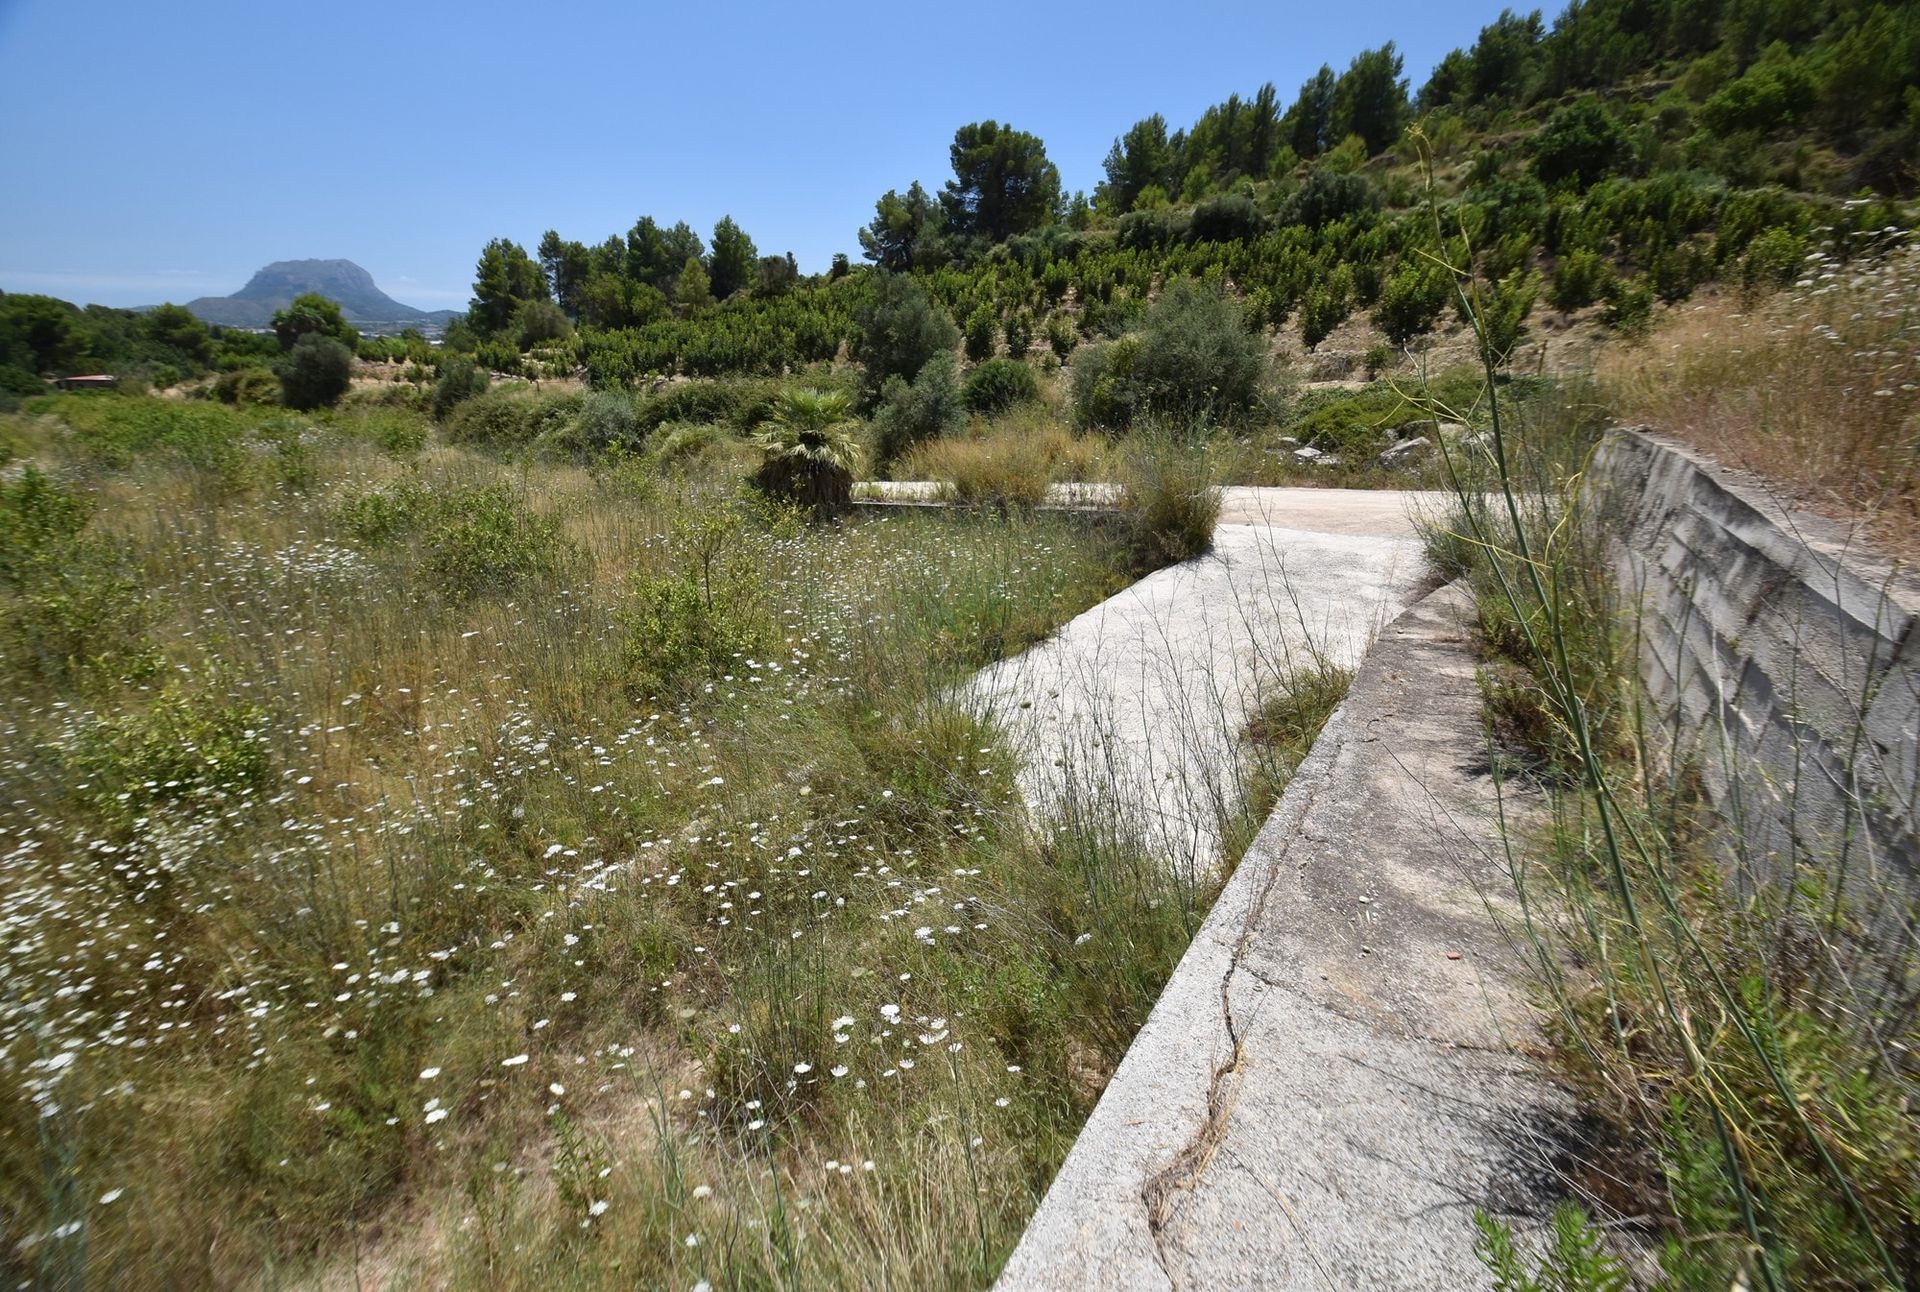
x: 273, y: 288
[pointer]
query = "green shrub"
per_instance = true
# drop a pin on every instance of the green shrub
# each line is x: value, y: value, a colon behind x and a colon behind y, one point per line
x: 1576, y: 1258
x: 1581, y: 144
x: 702, y: 618
x: 74, y: 610
x: 1773, y: 259
x: 471, y: 540
x: 1231, y: 217
x: 509, y: 418
x: 980, y: 334
x: 1413, y: 300
x: 315, y: 373
x: 999, y: 384
x: 188, y: 748
x: 1327, y: 196
x: 1019, y: 333
x: 396, y: 432
x: 695, y: 401
x: 383, y: 515
x: 1193, y: 361
x: 1579, y: 279
x: 487, y: 539
x: 1630, y: 307
x: 247, y: 387
x: 1168, y: 500
x: 39, y: 517
x: 607, y: 422
x: 929, y: 408
x: 900, y: 330
x: 1326, y: 306
x: 1062, y: 336
x: 678, y: 443
x: 459, y: 380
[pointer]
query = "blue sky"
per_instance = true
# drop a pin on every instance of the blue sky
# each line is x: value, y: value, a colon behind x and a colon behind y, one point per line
x: 165, y: 151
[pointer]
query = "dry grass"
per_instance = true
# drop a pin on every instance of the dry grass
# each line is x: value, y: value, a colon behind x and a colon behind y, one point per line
x: 755, y: 976
x: 1816, y: 389
x: 1011, y: 461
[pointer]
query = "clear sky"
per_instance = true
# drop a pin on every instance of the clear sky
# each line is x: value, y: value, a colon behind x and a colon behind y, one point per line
x: 166, y: 151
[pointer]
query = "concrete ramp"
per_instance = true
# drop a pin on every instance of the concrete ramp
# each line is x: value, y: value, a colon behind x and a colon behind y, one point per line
x: 1336, y: 1075
x: 1137, y: 706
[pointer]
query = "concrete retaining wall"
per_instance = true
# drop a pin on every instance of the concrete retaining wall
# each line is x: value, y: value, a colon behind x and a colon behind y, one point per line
x: 1786, y: 650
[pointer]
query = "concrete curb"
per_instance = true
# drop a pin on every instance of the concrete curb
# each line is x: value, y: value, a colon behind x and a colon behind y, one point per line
x: 1336, y: 1075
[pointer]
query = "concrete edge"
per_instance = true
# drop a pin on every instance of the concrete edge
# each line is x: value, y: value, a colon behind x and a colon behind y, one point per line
x: 1093, y: 1228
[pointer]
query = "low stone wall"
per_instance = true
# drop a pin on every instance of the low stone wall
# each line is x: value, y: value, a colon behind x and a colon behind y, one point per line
x: 1786, y: 650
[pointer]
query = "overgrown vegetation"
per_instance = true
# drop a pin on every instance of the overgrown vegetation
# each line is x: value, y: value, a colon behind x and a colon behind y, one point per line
x: 593, y: 865
x: 1816, y: 389
x: 1734, y: 1013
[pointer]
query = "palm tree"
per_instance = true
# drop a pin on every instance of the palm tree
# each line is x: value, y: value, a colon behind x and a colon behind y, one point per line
x: 812, y: 450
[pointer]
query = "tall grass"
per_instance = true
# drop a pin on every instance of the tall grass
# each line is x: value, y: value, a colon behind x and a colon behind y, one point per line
x: 1816, y: 388
x: 1745, y: 1031
x: 391, y: 923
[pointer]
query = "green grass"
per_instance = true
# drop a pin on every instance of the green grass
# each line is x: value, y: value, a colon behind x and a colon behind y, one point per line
x: 802, y: 999
x: 1741, y: 1030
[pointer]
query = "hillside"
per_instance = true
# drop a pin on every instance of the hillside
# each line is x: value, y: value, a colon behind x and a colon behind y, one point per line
x: 274, y: 287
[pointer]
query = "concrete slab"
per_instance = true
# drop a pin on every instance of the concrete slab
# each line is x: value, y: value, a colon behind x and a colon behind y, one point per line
x: 1338, y: 1071
x: 1386, y: 513
x: 1138, y: 704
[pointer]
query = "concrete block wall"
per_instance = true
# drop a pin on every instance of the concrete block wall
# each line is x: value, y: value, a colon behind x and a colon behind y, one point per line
x: 1786, y: 649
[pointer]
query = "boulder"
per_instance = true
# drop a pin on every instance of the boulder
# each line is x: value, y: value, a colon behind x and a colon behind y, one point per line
x: 1406, y: 453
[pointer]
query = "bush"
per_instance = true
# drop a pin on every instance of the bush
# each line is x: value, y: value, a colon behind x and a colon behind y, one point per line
x: 189, y: 749
x: 1193, y: 360
x: 509, y: 418
x: 980, y: 333
x: 701, y: 619
x: 999, y: 384
x: 1413, y: 300
x: 1326, y: 197
x: 75, y: 610
x: 607, y: 420
x: 537, y: 322
x: 1062, y: 336
x: 315, y: 373
x: 1581, y: 144
x: 1630, y: 307
x: 459, y: 380
x: 1168, y: 501
x: 1773, y: 260
x: 397, y: 432
x: 1326, y: 306
x: 678, y: 443
x: 703, y: 401
x: 1231, y: 217
x: 900, y: 330
x: 913, y: 414
x: 472, y: 540
x: 485, y: 540
x: 1579, y: 279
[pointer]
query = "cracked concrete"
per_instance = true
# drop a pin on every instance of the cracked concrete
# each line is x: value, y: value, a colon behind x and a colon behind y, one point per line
x: 1339, y: 1071
x: 1135, y: 708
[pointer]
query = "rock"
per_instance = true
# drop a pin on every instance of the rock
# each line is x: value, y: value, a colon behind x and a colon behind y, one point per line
x: 1407, y: 452
x: 1334, y: 365
x: 1308, y: 455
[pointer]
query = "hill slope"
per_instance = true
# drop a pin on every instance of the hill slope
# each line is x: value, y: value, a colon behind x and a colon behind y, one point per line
x: 275, y: 286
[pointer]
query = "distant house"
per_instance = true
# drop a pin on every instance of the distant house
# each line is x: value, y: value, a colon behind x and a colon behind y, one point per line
x: 92, y: 381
